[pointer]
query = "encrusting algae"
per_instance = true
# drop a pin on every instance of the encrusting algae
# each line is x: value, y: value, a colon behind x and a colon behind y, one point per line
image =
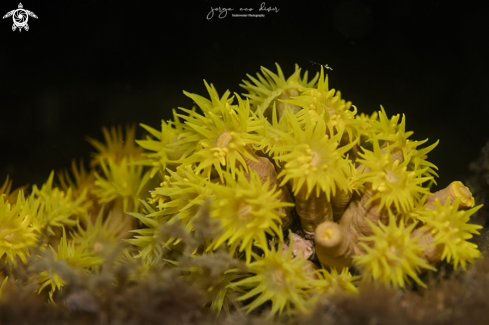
x: 266, y: 201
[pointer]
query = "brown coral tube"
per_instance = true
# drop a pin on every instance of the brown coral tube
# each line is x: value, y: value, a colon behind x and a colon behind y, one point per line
x: 339, y: 203
x: 333, y: 245
x: 310, y: 267
x: 354, y: 219
x: 453, y: 191
x: 266, y: 170
x: 262, y: 166
x: 372, y: 210
x: 432, y: 254
x: 357, y: 212
x: 312, y: 210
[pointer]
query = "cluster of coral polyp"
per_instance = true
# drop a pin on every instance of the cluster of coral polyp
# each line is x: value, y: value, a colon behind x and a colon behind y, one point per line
x: 271, y: 198
x: 293, y: 147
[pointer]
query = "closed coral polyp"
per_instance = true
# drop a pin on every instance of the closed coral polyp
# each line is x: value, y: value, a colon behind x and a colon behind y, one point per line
x: 456, y: 190
x: 333, y: 245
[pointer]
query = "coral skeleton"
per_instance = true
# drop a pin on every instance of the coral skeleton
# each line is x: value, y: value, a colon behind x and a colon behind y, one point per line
x: 265, y: 202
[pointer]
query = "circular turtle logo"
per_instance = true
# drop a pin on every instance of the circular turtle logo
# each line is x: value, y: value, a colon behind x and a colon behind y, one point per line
x: 20, y: 17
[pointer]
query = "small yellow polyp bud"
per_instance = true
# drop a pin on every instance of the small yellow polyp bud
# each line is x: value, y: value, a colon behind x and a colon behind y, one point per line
x: 333, y: 245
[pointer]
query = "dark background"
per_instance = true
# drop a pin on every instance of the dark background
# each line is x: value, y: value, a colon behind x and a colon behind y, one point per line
x: 85, y: 64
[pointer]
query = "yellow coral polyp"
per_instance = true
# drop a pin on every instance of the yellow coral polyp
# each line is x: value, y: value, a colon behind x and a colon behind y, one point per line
x: 450, y: 228
x: 185, y: 190
x: 247, y: 210
x: 220, y: 137
x: 16, y: 231
x: 321, y: 102
x: 7, y: 193
x: 394, y: 185
x: 331, y: 282
x: 271, y: 140
x: 100, y: 236
x: 152, y: 246
x: 81, y: 181
x: 76, y: 257
x: 269, y: 87
x: 121, y: 181
x: 393, y: 256
x: 59, y: 208
x: 116, y: 146
x: 312, y: 158
x: 163, y: 152
x: 393, y: 133
x: 278, y: 277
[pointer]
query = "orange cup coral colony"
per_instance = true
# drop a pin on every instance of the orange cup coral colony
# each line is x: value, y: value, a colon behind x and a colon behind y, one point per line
x: 296, y: 195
